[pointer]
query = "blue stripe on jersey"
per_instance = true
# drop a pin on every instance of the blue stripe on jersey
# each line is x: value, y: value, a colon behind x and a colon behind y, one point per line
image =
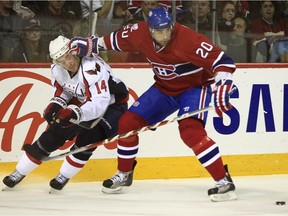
x: 127, y: 152
x: 223, y: 60
x: 186, y: 68
x: 209, y: 155
x: 114, y: 41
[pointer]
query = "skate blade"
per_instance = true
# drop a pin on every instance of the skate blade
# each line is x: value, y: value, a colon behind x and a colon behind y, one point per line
x: 6, y: 188
x: 54, y: 191
x: 117, y: 190
x: 231, y: 195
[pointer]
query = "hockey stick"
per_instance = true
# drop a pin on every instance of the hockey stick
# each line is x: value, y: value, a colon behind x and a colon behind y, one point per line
x: 31, y: 151
x: 87, y: 125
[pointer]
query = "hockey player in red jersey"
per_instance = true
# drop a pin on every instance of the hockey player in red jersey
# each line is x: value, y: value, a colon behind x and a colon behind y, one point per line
x: 84, y: 90
x: 185, y: 64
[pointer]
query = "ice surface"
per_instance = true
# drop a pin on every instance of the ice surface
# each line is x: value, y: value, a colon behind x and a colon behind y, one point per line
x: 256, y: 196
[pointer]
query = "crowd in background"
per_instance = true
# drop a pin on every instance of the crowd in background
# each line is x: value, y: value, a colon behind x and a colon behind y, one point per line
x: 249, y: 31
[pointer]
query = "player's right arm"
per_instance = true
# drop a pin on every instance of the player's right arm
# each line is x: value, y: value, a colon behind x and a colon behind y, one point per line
x: 59, y: 100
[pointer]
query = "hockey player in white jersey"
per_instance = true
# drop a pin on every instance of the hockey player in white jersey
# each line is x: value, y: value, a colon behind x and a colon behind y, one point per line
x: 84, y: 90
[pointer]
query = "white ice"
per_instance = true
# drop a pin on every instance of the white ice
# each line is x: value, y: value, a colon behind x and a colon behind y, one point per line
x: 256, y: 196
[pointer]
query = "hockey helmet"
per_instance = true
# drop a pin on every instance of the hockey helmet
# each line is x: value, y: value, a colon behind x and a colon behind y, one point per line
x: 159, y: 18
x: 58, y: 47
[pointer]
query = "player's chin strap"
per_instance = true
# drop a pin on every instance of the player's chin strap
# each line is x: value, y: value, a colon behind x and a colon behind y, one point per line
x: 31, y: 151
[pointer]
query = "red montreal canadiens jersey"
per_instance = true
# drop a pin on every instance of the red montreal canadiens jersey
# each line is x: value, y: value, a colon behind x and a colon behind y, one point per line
x: 189, y: 59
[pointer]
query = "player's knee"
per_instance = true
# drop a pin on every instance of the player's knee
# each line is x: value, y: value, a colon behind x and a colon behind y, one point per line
x: 191, y: 131
x: 83, y: 156
x: 130, y: 121
x: 50, y: 142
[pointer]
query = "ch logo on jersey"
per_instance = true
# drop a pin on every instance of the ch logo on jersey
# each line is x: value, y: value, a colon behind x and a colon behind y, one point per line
x: 164, y: 71
x: 167, y: 72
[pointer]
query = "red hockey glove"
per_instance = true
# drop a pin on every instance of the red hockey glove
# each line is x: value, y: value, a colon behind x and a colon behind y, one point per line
x: 221, y: 96
x: 56, y: 104
x: 64, y: 116
x: 83, y: 46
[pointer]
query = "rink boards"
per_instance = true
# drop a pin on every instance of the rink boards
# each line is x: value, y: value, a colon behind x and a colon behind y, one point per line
x: 252, y: 137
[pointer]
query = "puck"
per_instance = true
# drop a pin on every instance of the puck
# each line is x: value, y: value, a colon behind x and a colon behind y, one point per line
x: 280, y: 203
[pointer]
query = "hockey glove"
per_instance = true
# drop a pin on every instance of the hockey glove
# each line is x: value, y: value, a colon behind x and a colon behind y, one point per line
x: 65, y: 116
x: 83, y: 46
x: 221, y: 96
x: 56, y: 104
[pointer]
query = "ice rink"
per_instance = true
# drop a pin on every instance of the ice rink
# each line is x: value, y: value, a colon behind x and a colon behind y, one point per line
x: 256, y: 196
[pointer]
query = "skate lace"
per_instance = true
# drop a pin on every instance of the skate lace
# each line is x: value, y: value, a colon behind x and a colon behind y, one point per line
x: 119, y: 177
x: 222, y: 182
x: 60, y: 178
x: 16, y: 176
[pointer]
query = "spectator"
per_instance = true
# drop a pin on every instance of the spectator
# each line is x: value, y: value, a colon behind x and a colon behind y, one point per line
x: 168, y: 5
x: 285, y: 10
x: 74, y: 7
x: 33, y: 47
x: 237, y: 45
x: 266, y: 29
x: 56, y: 20
x: 104, y: 9
x: 243, y: 9
x: 226, y: 13
x: 189, y: 19
x: 135, y: 5
x: 35, y: 6
x: 146, y: 6
x: 10, y: 28
x: 279, y: 52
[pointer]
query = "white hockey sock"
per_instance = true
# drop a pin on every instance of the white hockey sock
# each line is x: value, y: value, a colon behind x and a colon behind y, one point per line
x: 71, y: 166
x: 25, y: 165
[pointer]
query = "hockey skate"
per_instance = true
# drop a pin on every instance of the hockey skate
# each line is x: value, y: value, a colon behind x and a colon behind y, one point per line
x: 119, y: 180
x: 13, y: 179
x: 224, y: 189
x: 58, y: 183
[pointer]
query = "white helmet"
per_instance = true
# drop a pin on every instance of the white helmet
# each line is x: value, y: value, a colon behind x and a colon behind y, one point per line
x: 58, y: 47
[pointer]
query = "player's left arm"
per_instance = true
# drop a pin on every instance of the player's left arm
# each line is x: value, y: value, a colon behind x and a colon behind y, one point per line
x: 121, y: 40
x: 223, y: 67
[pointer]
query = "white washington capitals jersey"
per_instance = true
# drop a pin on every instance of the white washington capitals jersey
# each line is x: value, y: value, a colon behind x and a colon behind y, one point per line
x: 90, y: 86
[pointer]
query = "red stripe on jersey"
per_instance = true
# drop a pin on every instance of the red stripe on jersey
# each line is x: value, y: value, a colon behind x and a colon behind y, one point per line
x: 202, y: 101
x: 59, y: 89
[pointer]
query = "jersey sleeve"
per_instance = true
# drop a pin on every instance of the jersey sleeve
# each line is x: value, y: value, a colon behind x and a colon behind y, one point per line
x: 127, y: 39
x: 205, y: 54
x: 56, y: 82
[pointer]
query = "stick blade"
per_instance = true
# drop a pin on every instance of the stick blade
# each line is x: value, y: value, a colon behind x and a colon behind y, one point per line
x: 28, y: 148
